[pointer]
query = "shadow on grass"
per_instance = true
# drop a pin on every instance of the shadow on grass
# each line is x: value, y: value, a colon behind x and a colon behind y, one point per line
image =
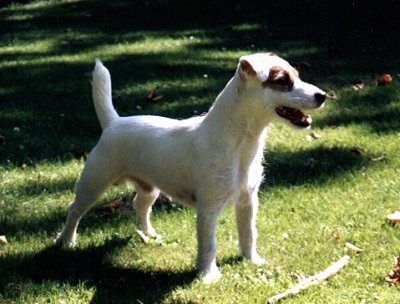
x: 47, y: 223
x: 377, y: 109
x: 93, y: 267
x: 47, y: 96
x: 315, y: 166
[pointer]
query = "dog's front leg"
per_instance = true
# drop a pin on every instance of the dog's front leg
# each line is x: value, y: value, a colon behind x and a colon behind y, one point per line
x: 246, y: 210
x: 207, y: 249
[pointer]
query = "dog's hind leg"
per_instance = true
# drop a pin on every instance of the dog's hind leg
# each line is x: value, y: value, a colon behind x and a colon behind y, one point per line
x: 246, y: 211
x: 95, y: 178
x: 144, y: 199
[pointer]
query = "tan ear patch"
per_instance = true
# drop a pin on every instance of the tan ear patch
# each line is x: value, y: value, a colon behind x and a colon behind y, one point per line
x: 246, y: 68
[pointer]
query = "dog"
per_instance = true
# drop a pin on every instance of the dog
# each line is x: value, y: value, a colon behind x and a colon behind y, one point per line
x: 205, y: 161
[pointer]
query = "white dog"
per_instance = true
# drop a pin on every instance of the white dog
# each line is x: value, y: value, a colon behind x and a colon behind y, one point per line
x: 205, y: 161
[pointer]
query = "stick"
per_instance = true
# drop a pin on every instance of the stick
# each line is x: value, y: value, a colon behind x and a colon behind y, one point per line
x: 314, y: 280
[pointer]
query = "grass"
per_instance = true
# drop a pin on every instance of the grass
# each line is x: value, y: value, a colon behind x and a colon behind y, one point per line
x: 317, y: 195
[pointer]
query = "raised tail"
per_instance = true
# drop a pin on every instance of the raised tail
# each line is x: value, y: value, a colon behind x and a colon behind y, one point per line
x: 101, y: 91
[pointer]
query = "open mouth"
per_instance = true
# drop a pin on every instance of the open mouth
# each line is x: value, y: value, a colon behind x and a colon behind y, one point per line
x: 295, y: 116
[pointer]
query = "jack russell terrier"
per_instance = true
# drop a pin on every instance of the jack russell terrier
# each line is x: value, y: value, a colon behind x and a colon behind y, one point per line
x: 205, y: 161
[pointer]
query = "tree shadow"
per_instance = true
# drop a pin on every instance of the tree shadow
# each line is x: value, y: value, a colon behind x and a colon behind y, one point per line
x: 315, y: 166
x: 93, y: 266
x: 375, y: 108
x: 49, y: 100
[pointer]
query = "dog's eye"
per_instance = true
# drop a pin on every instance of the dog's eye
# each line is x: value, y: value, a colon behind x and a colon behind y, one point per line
x: 284, y: 81
x: 279, y: 79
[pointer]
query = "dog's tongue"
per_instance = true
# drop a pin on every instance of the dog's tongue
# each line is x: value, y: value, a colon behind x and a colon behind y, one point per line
x: 295, y: 116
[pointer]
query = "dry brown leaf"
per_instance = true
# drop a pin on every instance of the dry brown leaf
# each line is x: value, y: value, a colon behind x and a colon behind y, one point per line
x: 393, y: 277
x: 154, y: 96
x: 353, y: 248
x: 394, y: 218
x: 331, y: 95
x: 336, y: 236
x: 378, y: 159
x: 357, y: 150
x: 112, y: 207
x: 357, y: 87
x: 3, y: 240
x: 384, y: 79
x: 313, y: 136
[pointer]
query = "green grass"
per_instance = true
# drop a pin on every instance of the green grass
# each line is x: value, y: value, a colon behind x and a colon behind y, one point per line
x: 317, y: 194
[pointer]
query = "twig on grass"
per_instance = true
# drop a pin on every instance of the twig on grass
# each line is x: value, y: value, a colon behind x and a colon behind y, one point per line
x: 313, y: 280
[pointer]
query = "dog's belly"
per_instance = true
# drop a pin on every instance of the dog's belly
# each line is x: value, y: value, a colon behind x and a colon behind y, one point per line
x: 185, y: 196
x: 180, y: 192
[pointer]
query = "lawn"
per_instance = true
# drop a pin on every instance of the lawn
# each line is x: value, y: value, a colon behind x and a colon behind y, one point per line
x: 323, y: 187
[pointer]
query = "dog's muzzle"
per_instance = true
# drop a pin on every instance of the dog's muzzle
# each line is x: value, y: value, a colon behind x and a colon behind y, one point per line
x: 296, y: 117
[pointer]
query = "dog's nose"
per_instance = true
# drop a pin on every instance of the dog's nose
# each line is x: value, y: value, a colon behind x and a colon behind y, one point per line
x: 320, y: 98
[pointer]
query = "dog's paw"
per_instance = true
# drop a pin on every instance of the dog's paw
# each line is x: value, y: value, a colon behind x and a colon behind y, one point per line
x: 258, y: 260
x: 61, y: 240
x: 149, y: 231
x: 211, y: 276
x: 146, y: 237
x: 255, y: 258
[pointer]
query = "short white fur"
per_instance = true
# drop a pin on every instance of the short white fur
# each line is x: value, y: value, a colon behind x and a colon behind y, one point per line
x: 205, y: 162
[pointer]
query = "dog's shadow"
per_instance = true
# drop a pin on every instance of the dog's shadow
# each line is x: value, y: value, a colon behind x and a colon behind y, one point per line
x: 93, y: 267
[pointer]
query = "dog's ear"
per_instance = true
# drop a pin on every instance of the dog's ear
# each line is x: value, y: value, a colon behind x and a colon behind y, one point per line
x: 245, y: 69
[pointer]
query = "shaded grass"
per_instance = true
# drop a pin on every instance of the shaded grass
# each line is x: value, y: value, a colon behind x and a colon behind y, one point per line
x: 317, y: 194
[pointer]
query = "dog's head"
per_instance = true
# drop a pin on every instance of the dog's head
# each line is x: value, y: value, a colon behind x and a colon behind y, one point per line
x: 282, y: 91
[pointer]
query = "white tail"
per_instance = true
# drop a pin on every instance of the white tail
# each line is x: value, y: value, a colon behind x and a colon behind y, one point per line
x: 101, y: 90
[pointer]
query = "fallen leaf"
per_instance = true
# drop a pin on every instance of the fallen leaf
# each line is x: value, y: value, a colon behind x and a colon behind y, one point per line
x: 394, y: 218
x: 154, y: 96
x: 378, y: 159
x: 112, y: 207
x: 3, y: 240
x: 357, y: 86
x: 336, y: 236
x: 384, y: 79
x: 353, y: 248
x: 331, y: 95
x: 357, y: 150
x: 393, y: 277
x: 313, y: 136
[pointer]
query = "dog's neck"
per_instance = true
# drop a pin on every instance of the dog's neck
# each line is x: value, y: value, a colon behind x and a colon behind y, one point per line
x: 237, y: 116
